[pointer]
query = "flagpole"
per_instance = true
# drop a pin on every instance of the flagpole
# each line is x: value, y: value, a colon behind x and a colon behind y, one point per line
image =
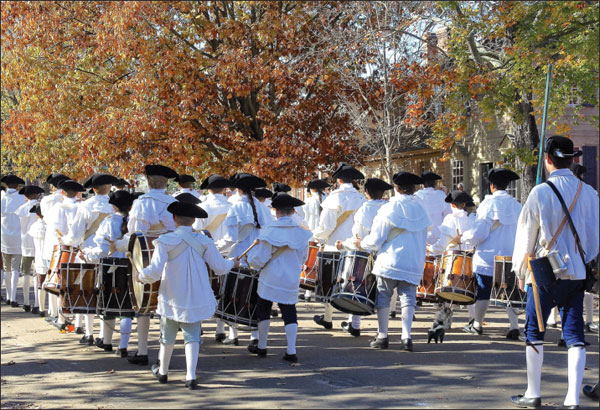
x: 540, y: 167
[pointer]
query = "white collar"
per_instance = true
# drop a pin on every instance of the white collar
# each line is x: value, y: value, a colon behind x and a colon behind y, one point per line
x: 69, y: 200
x: 184, y: 228
x: 11, y: 191
x: 562, y: 172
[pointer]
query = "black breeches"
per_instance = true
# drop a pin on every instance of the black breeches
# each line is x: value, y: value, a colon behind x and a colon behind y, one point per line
x: 263, y: 310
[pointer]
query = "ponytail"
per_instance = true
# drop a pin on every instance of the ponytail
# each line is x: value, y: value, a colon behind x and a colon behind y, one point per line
x: 251, y: 199
x: 125, y: 212
x: 320, y: 193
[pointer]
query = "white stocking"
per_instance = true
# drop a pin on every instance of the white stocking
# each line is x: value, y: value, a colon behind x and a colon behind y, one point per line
x: 78, y: 320
x: 291, y: 331
x: 220, y: 326
x: 576, y: 367
x: 36, y: 296
x: 164, y: 355
x: 89, y: 324
x: 383, y: 319
x: 553, y: 318
x: 513, y: 318
x: 481, y: 307
x: 263, y: 333
x: 143, y: 326
x: 588, y: 307
x: 471, y: 310
x: 26, y: 281
x: 233, y: 332
x: 14, y: 283
x: 191, y: 359
x: 253, y: 335
x: 7, y: 282
x: 534, y: 370
x: 407, y: 318
x: 42, y: 299
x: 108, y: 329
x: 328, y: 314
x: 125, y: 329
x: 355, y: 320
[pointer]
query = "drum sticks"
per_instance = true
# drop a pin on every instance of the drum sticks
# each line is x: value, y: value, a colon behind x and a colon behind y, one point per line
x: 247, y: 250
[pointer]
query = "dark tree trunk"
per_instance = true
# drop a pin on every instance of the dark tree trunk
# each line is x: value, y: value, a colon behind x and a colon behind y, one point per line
x: 527, y: 136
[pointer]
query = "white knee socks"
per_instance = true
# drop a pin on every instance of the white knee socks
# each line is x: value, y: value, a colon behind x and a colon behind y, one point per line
x: 233, y: 332
x: 125, y: 329
x: 42, y: 299
x: 576, y: 367
x: 481, y: 307
x: 89, y: 324
x: 36, y: 295
x: 471, y: 310
x: 14, y: 283
x: 164, y: 355
x: 7, y: 282
x: 291, y: 331
x: 534, y: 370
x: 513, y: 318
x: 108, y: 326
x: 407, y: 317
x: 220, y: 326
x: 191, y: 359
x: 355, y: 320
x: 328, y: 316
x: 254, y: 335
x: 26, y: 282
x: 263, y: 333
x: 78, y: 320
x: 588, y: 307
x: 553, y: 318
x: 52, y: 304
x: 383, y: 318
x: 143, y: 326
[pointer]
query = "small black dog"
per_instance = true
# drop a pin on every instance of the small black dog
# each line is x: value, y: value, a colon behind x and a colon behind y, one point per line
x: 443, y: 321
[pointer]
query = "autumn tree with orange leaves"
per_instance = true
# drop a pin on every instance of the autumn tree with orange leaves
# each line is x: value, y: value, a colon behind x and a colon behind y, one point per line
x: 199, y: 86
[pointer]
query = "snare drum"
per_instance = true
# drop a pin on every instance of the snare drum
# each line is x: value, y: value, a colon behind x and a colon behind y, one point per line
x: 308, y: 276
x: 505, y: 290
x: 327, y: 269
x: 78, y: 288
x: 456, y: 281
x: 113, y: 288
x: 144, y: 297
x: 60, y: 254
x: 238, y: 297
x: 356, y: 288
x: 426, y: 289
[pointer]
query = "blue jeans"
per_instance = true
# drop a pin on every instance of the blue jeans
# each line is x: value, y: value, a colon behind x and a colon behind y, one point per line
x: 484, y: 286
x: 571, y: 312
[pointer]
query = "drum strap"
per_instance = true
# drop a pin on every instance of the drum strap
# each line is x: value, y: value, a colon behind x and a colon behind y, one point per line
x: 94, y: 226
x: 345, y: 215
x: 159, y: 227
x: 212, y: 227
x: 191, y: 242
x: 176, y: 251
x: 275, y: 255
x: 394, y: 232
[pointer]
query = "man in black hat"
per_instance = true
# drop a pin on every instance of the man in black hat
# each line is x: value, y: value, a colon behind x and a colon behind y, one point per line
x: 185, y: 298
x: 10, y: 242
x: 33, y: 194
x: 434, y: 202
x: 282, y: 248
x: 121, y: 184
x: 363, y: 220
x: 398, y: 235
x: 149, y: 214
x: 454, y: 224
x: 538, y: 223
x: 335, y: 221
x: 185, y: 184
x: 56, y: 194
x: 493, y: 234
x: 312, y: 208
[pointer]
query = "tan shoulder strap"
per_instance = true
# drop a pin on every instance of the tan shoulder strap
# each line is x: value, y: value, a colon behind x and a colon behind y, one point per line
x: 176, y: 251
x: 562, y: 224
x: 94, y: 226
x: 275, y: 255
x: 394, y: 232
x: 341, y: 219
x: 215, y: 223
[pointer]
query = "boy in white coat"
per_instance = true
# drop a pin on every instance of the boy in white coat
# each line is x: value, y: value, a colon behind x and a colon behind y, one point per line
x: 282, y: 248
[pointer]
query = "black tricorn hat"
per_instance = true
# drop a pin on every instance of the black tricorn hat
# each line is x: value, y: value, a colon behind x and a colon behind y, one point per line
x: 263, y: 193
x: 406, y: 178
x: 347, y: 171
x: 215, y: 182
x: 561, y: 147
x: 97, y: 180
x: 187, y: 197
x: 501, y: 175
x: 457, y: 196
x: 160, y: 170
x: 70, y: 185
x: 377, y: 184
x: 317, y: 184
x: 430, y: 176
x: 186, y: 209
x: 12, y: 179
x: 183, y: 178
x: 122, y: 182
x: 55, y: 179
x: 120, y: 199
x: 36, y: 209
x: 283, y: 200
x: 29, y: 190
x: 249, y: 181
x: 280, y: 187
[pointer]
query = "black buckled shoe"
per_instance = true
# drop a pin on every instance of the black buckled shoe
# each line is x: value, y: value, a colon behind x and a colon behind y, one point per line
x: 219, y: 337
x: 8, y: 302
x: 79, y: 331
x: 591, y: 392
x: 234, y: 342
x: 348, y: 328
x: 87, y: 340
x: 162, y: 378
x: 526, y: 403
x: 407, y: 345
x: 191, y: 384
x: 320, y: 320
x: 107, y: 348
x: 561, y: 343
x: 513, y: 334
x: 292, y: 358
x: 378, y: 343
x: 35, y: 310
x: 14, y: 304
x: 99, y: 342
x: 470, y: 328
x: 27, y: 308
x: 252, y: 348
x: 141, y: 360
x: 122, y: 352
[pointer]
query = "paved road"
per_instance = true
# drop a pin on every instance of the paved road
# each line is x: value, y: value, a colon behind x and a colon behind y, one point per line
x: 44, y: 369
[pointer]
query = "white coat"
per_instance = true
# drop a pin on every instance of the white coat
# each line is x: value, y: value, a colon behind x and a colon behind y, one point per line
x: 214, y: 205
x: 10, y: 242
x: 150, y: 210
x: 87, y: 213
x: 454, y: 224
x: 27, y: 219
x: 48, y: 202
x: 312, y: 208
x: 60, y: 217
x: 109, y: 229
x: 363, y: 220
x: 37, y: 231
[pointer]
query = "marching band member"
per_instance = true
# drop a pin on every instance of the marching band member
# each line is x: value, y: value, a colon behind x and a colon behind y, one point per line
x: 282, y: 248
x: 149, y: 215
x: 11, y: 235
x: 538, y: 223
x: 37, y: 231
x: 32, y: 193
x: 112, y: 228
x: 493, y: 234
x: 398, y: 235
x: 121, y: 185
x: 298, y: 215
x: 216, y: 207
x: 242, y: 225
x: 363, y: 220
x: 454, y: 224
x: 335, y: 221
x: 56, y: 194
x: 434, y: 202
x: 185, y: 184
x: 185, y: 297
